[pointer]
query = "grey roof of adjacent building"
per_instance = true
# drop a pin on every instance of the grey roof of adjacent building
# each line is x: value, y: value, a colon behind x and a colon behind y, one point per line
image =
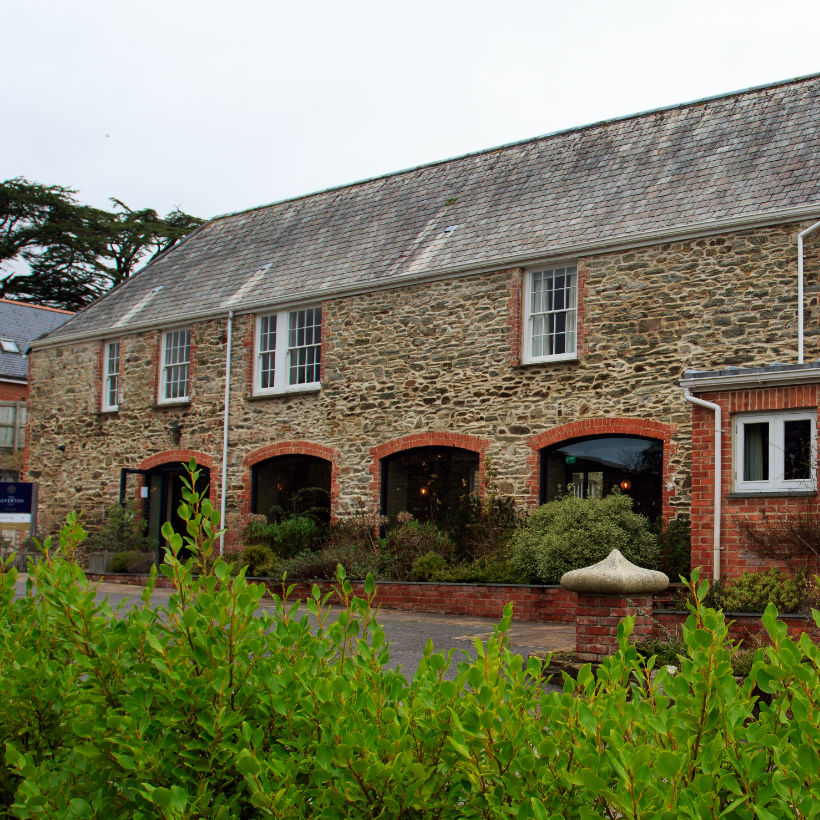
x: 23, y: 323
x: 737, y: 160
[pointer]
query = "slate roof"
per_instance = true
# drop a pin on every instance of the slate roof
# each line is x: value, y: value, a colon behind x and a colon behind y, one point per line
x: 724, y: 161
x: 23, y: 324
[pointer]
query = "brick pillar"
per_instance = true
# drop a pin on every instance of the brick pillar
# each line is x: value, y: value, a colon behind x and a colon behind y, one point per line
x: 597, y: 618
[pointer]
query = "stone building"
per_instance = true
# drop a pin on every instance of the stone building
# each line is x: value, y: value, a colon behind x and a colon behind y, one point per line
x: 524, y: 314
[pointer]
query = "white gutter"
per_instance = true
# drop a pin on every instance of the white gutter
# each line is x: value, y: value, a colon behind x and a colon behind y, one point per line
x: 225, y: 433
x: 800, y: 289
x: 717, y: 478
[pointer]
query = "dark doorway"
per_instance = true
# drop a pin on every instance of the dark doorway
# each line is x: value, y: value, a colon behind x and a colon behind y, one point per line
x: 164, y: 487
x: 593, y: 466
x: 430, y: 483
x: 292, y: 485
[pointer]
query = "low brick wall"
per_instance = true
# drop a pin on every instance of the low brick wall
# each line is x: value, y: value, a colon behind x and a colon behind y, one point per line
x: 744, y: 626
x: 545, y: 604
x: 530, y: 603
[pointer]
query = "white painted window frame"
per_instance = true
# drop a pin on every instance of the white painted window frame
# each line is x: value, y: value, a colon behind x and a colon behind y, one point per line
x: 164, y: 368
x: 528, y: 317
x: 282, y: 354
x: 111, y: 377
x: 776, y: 481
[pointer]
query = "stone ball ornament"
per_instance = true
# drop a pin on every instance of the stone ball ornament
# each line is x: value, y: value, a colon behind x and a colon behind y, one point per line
x: 614, y: 576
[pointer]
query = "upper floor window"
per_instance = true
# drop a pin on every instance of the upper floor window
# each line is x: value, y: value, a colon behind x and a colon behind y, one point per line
x: 288, y: 351
x: 12, y: 426
x: 175, y: 360
x: 9, y: 346
x: 111, y: 376
x: 775, y: 451
x: 550, y: 314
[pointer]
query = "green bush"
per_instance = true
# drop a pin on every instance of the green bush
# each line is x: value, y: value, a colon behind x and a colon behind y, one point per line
x: 207, y: 707
x: 676, y: 547
x: 571, y: 533
x: 259, y: 560
x: 753, y: 591
x: 123, y: 531
x: 132, y: 561
x: 285, y: 538
x: 409, y: 540
x: 426, y: 567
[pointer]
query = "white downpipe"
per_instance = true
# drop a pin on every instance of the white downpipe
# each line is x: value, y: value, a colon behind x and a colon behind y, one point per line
x: 223, y: 501
x: 800, y: 289
x: 718, y: 466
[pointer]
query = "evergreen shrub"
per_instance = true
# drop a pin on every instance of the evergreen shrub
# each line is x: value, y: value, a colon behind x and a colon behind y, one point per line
x: 207, y: 707
x: 571, y: 533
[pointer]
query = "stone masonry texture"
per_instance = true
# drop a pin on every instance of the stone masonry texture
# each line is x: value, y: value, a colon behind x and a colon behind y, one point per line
x: 430, y: 360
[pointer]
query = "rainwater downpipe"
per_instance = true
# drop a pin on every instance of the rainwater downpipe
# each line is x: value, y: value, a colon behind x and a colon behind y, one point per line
x: 225, y: 433
x: 717, y: 478
x: 800, y: 289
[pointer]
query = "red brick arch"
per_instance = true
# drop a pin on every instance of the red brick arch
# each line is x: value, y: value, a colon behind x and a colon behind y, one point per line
x: 290, y: 448
x: 602, y: 427
x: 430, y: 439
x: 184, y: 456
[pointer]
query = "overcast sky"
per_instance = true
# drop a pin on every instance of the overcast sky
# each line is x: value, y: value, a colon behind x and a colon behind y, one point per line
x: 216, y: 107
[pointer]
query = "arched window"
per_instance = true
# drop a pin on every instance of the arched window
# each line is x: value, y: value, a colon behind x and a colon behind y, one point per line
x: 428, y: 482
x: 291, y: 485
x: 593, y: 466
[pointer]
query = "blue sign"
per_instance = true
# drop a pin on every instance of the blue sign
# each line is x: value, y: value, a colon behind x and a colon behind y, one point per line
x: 16, y: 497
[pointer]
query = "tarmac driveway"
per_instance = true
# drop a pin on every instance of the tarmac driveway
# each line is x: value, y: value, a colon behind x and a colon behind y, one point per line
x: 408, y: 632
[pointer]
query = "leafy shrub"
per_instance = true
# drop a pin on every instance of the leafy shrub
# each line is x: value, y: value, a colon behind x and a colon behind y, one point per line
x: 208, y: 708
x: 259, y: 560
x: 676, y: 547
x: 132, y: 561
x: 571, y: 533
x: 123, y: 531
x: 488, y: 569
x: 285, y: 538
x: 427, y: 567
x: 753, y: 591
x: 409, y: 540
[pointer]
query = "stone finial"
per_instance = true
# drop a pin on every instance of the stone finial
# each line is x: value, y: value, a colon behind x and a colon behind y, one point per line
x: 614, y: 576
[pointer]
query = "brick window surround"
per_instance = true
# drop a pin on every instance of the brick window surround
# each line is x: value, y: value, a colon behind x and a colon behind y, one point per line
x: 602, y: 427
x: 429, y: 439
x: 184, y: 456
x: 290, y: 448
x: 739, y: 509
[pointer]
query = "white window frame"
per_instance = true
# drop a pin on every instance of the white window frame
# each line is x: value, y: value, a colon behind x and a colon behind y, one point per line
x: 531, y: 318
x: 776, y: 482
x: 282, y: 354
x: 111, y: 377
x: 165, y: 368
x: 9, y: 345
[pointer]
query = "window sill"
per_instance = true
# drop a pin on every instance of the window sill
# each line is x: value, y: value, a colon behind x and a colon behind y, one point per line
x: 573, y: 359
x: 289, y: 391
x: 772, y: 494
x: 162, y: 405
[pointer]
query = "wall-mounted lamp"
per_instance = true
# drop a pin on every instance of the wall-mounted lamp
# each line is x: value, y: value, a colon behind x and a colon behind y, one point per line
x: 424, y: 491
x: 175, y: 429
x: 626, y: 485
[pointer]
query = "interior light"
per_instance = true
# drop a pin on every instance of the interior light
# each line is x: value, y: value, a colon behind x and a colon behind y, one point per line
x: 626, y: 485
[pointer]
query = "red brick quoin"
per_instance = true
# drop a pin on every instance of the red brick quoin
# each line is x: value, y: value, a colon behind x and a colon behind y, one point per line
x: 289, y: 448
x: 736, y: 558
x: 429, y: 439
x: 603, y: 427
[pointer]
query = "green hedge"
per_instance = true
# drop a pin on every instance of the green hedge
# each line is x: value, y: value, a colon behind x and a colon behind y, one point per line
x: 205, y: 708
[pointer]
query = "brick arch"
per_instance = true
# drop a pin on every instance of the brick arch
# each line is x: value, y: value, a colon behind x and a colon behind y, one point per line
x: 290, y: 448
x: 177, y: 456
x: 603, y: 427
x: 430, y: 439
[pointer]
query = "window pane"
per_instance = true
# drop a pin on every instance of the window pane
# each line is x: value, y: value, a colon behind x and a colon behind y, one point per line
x: 177, y: 351
x: 797, y: 450
x: 304, y: 345
x: 267, y: 351
x: 756, y: 451
x: 553, y: 306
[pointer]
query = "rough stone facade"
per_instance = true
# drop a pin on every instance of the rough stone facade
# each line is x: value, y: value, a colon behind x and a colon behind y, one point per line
x: 421, y: 362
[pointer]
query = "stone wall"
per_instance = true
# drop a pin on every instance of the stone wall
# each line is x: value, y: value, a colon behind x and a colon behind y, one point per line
x: 436, y: 359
